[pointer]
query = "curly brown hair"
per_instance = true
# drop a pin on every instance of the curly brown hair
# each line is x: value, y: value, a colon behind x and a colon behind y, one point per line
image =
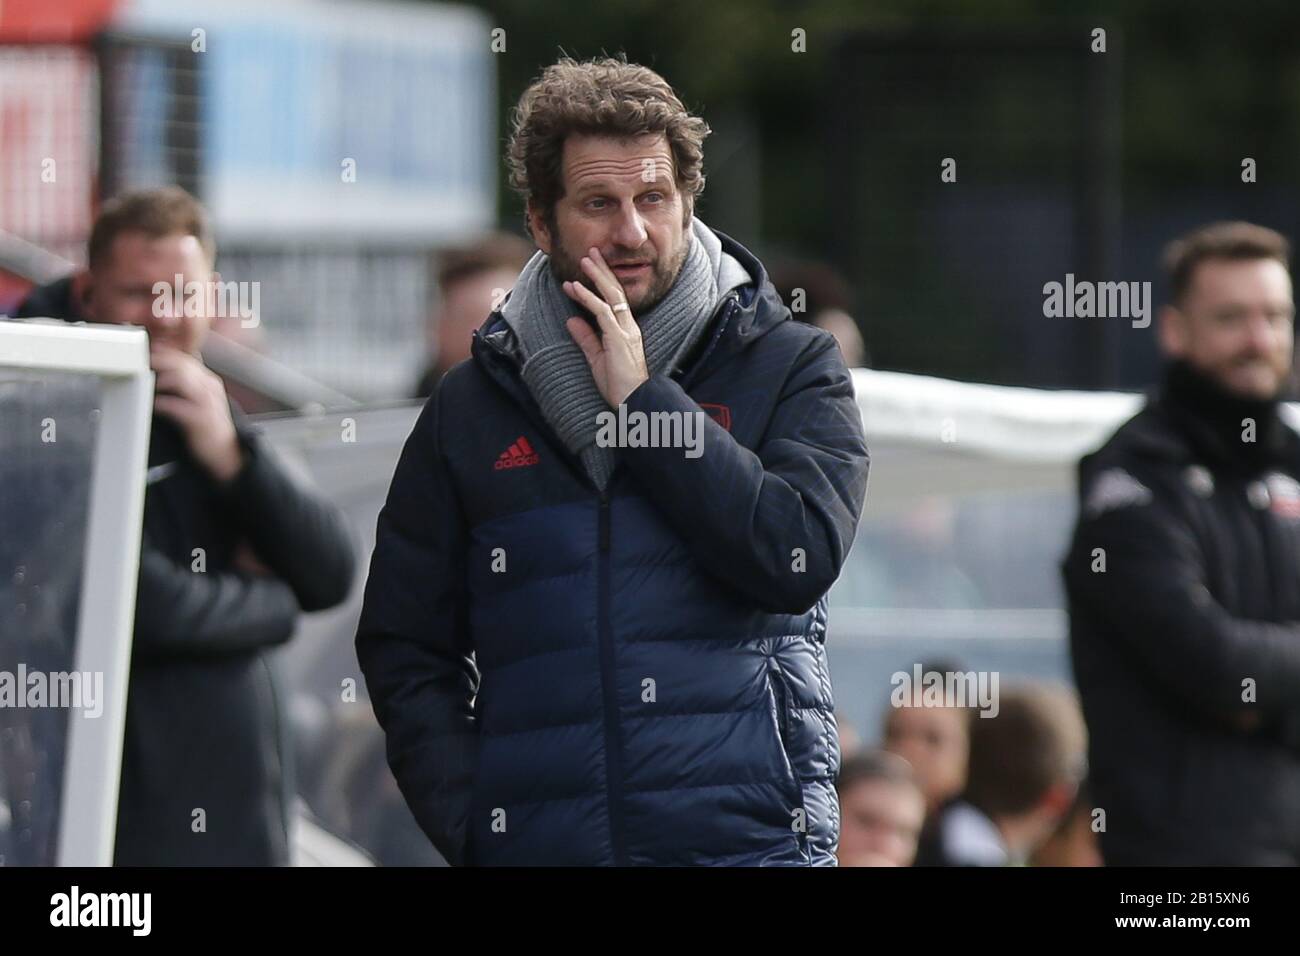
x: 603, y: 97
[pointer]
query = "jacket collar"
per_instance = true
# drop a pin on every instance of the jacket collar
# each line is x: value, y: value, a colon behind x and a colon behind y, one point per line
x: 1212, y: 421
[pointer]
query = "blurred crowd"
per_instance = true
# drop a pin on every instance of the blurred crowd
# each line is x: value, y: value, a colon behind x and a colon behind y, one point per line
x: 951, y: 785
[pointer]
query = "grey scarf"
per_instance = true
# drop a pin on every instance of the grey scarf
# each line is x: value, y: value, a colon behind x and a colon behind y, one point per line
x: 554, y: 368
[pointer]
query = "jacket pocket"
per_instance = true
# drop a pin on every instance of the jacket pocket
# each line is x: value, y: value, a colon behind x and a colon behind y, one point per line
x: 783, y: 698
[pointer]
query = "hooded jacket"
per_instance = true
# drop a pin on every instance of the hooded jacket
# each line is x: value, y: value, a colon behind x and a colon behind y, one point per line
x: 629, y: 678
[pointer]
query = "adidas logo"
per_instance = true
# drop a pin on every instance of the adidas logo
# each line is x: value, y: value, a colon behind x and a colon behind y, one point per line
x: 518, y: 455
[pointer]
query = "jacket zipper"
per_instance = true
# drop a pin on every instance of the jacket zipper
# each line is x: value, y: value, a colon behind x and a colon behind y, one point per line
x: 608, y: 682
x: 605, y: 637
x: 728, y: 309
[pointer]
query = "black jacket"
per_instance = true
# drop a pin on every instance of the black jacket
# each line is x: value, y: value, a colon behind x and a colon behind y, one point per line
x: 654, y: 685
x: 206, y: 721
x: 52, y: 301
x: 1197, y: 607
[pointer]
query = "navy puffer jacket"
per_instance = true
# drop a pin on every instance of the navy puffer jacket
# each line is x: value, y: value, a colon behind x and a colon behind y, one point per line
x: 633, y: 678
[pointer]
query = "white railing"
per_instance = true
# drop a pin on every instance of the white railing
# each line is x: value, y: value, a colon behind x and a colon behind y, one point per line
x: 119, y: 357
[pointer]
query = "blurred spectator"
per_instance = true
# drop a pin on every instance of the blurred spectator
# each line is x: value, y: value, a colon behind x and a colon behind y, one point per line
x: 935, y: 741
x: 917, y: 558
x: 232, y: 550
x: 1025, y: 766
x: 881, y: 810
x: 817, y: 294
x: 472, y: 280
x: 1075, y: 842
x: 1182, y: 576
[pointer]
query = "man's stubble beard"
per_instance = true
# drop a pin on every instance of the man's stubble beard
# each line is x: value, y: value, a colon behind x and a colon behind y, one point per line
x: 1221, y: 375
x: 566, y: 269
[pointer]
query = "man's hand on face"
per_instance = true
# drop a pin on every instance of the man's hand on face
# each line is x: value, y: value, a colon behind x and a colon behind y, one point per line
x: 616, y: 356
x: 191, y: 394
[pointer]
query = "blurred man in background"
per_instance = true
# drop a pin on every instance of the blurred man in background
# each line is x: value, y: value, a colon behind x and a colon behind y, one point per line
x: 595, y: 651
x: 1184, y: 576
x: 232, y: 550
x: 1025, y: 767
x: 817, y: 294
x: 472, y: 282
x: 881, y: 810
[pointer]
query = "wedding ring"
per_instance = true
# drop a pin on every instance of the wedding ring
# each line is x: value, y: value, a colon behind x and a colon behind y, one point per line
x: 621, y: 307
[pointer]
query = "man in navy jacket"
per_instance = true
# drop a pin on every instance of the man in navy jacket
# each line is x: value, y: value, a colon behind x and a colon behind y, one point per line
x: 594, y: 625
